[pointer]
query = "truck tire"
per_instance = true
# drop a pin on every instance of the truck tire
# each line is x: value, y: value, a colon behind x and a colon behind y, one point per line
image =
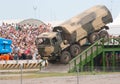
x: 93, y: 37
x: 104, y: 34
x: 65, y: 57
x: 75, y: 50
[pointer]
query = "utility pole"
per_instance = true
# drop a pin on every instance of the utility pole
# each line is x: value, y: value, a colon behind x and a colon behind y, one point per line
x: 21, y: 67
x: 35, y: 9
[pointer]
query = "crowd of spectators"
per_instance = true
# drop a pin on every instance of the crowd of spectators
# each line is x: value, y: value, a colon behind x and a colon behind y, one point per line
x: 23, y: 39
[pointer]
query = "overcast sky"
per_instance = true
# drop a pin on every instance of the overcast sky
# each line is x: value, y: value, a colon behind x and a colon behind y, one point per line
x: 50, y: 10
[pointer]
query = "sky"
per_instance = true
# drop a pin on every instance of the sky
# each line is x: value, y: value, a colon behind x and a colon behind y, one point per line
x: 51, y: 10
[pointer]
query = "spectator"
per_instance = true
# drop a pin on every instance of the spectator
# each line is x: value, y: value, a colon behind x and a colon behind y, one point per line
x: 23, y: 38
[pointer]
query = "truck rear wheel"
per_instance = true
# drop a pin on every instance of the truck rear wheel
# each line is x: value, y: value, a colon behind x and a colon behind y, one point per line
x: 65, y: 57
x: 93, y: 37
x: 75, y: 50
x: 104, y: 34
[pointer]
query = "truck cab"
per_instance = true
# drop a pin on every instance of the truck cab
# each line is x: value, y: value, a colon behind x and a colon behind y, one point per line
x: 48, y: 45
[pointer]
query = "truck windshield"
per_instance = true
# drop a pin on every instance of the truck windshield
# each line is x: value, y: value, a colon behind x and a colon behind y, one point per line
x: 45, y: 41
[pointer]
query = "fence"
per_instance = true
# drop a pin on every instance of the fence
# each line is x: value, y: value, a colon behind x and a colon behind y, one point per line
x: 27, y: 64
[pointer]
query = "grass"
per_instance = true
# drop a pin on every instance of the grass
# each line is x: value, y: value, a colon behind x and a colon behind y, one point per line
x: 28, y: 75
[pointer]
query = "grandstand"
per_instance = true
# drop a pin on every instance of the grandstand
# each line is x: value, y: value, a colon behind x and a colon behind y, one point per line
x: 31, y: 21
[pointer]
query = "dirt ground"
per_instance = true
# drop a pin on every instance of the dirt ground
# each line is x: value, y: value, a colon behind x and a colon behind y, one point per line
x: 81, y: 79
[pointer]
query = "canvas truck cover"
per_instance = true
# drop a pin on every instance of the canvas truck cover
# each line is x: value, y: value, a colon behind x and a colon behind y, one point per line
x: 85, y: 23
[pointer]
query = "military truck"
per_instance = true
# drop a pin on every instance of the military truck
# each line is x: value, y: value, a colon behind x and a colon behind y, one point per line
x: 65, y: 41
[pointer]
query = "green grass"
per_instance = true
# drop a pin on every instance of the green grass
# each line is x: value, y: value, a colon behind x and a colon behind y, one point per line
x: 49, y: 74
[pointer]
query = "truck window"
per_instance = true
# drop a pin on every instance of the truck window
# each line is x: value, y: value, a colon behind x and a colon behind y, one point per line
x: 46, y: 41
x: 54, y: 40
x: 43, y: 41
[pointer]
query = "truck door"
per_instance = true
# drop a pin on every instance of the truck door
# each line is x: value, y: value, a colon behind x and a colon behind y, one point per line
x: 55, y: 42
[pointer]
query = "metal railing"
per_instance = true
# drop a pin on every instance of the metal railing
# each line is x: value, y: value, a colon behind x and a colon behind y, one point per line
x: 86, y: 56
x: 100, y: 46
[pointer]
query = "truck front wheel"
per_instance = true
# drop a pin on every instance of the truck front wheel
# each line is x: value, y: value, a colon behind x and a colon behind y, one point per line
x: 65, y: 57
x: 75, y: 50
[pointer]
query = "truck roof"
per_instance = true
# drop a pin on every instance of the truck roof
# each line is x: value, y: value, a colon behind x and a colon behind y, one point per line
x: 47, y: 35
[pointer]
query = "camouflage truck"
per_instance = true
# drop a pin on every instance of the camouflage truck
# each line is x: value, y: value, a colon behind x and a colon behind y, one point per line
x: 65, y: 41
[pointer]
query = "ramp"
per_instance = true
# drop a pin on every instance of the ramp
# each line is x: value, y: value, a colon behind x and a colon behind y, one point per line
x: 101, y: 46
